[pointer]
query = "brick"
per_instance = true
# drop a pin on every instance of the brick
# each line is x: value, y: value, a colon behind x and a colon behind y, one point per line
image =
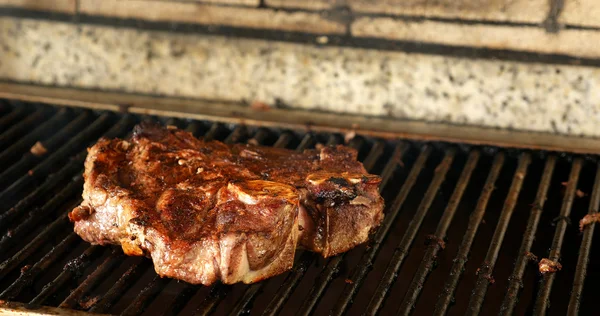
x: 531, y: 11
x: 579, y: 43
x: 581, y: 13
x: 253, y: 3
x: 62, y: 6
x: 302, y: 4
x: 213, y: 15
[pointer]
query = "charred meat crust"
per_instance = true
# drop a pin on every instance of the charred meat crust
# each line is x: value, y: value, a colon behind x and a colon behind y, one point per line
x: 206, y: 211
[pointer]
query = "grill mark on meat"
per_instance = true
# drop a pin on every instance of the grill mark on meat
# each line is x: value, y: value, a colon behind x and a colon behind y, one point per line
x: 207, y: 211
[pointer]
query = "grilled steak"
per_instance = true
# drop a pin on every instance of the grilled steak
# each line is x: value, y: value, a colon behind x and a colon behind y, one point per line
x: 207, y: 211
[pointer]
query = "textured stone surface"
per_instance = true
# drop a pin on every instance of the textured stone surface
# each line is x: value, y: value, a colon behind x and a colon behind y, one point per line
x: 581, y: 13
x: 573, y: 42
x: 525, y: 96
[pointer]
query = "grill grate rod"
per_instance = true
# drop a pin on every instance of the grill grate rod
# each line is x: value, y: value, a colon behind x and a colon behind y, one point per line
x: 27, y: 276
x: 63, y: 153
x: 515, y: 280
x: 39, y: 133
x: 146, y: 295
x: 53, y: 180
x: 126, y: 280
x: 545, y: 288
x: 433, y: 248
x: 19, y: 129
x: 331, y: 269
x: 584, y: 250
x: 9, y: 118
x: 295, y: 275
x: 487, y: 268
x: 474, y: 220
x: 213, y: 131
x: 10, y: 264
x: 40, y: 214
x: 38, y: 241
x: 70, y: 269
x: 29, y: 159
x: 94, y: 278
x: 367, y: 259
x: 411, y: 232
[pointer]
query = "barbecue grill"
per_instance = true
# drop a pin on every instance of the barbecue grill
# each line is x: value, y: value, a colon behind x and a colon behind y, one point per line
x: 464, y: 224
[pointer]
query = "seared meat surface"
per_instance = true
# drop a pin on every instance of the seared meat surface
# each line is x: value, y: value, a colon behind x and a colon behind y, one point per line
x: 207, y: 211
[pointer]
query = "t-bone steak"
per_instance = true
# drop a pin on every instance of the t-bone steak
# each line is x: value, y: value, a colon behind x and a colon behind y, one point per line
x: 206, y: 211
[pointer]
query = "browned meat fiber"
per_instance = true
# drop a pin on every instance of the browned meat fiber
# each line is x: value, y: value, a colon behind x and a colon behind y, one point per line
x: 206, y: 211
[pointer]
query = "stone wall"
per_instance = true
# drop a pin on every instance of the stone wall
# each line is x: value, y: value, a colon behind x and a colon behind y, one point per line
x: 526, y: 65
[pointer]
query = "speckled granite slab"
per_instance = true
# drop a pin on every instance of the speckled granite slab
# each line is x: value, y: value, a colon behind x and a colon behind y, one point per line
x: 537, y: 97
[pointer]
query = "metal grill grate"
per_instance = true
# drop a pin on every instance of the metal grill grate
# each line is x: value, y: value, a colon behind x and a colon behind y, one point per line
x: 461, y: 226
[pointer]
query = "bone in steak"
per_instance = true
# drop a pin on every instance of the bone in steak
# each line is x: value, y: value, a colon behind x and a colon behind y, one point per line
x: 206, y: 211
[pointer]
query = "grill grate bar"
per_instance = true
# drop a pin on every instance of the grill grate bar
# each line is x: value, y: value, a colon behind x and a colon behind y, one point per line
x: 195, y: 128
x: 487, y: 268
x: 213, y: 131
x: 37, y: 134
x: 19, y: 129
x: 146, y: 296
x: 49, y: 184
x: 27, y: 276
x: 411, y: 232
x: 123, y: 284
x: 29, y: 198
x: 283, y: 140
x: 247, y: 297
x: 94, y: 278
x: 290, y: 283
x: 39, y: 214
x: 584, y: 250
x: 29, y: 159
x: 306, y: 142
x: 259, y: 137
x: 56, y: 178
x: 8, y: 119
x: 56, y: 201
x: 367, y: 259
x: 331, y: 269
x: 433, y: 248
x: 181, y: 300
x: 474, y: 220
x: 71, y: 268
x: 543, y: 296
x: 65, y: 151
x: 515, y: 280
x: 38, y: 241
x: 238, y: 133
